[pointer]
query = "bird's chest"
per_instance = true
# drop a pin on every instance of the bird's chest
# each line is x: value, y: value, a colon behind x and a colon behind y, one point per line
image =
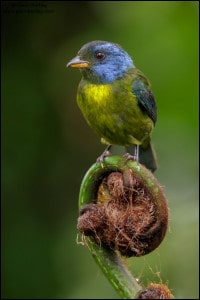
x: 96, y: 101
x: 94, y: 95
x: 107, y: 101
x: 112, y: 111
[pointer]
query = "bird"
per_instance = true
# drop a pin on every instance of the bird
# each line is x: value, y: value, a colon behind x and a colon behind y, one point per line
x: 116, y: 100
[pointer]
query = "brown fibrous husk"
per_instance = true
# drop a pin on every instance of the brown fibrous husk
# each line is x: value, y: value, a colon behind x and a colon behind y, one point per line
x: 126, y: 215
x: 156, y: 291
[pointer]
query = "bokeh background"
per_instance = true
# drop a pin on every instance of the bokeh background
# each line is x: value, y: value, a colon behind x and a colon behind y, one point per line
x: 47, y: 147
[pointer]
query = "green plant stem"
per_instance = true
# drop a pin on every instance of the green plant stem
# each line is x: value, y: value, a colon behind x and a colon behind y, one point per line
x: 116, y: 272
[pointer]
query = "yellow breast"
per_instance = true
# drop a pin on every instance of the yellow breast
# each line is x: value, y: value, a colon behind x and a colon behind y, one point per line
x: 97, y: 94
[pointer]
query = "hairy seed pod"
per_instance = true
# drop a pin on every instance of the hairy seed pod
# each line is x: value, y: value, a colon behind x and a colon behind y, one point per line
x: 155, y: 291
x: 123, y: 207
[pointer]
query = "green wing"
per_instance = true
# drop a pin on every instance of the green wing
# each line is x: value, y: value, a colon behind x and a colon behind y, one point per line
x: 141, y: 89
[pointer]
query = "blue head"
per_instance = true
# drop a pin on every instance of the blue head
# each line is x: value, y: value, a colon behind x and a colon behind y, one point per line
x: 102, y: 62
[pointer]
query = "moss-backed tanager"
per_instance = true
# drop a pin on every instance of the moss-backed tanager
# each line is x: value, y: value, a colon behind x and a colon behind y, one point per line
x: 116, y: 100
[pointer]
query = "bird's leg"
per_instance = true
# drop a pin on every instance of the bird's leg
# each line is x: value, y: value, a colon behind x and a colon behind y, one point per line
x: 136, y: 152
x: 135, y: 155
x: 105, y: 153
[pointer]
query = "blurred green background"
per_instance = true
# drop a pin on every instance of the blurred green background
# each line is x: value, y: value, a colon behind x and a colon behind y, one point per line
x: 47, y: 147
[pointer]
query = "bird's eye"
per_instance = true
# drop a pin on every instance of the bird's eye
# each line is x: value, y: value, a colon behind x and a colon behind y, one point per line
x: 99, y: 55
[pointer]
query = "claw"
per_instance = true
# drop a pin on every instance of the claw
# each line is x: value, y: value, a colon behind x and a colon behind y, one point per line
x: 105, y: 153
x: 135, y: 156
x: 128, y: 156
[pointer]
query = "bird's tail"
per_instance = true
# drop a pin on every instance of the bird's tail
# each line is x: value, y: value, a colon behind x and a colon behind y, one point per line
x: 147, y: 157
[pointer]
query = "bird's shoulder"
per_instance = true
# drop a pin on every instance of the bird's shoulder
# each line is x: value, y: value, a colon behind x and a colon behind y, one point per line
x: 138, y: 77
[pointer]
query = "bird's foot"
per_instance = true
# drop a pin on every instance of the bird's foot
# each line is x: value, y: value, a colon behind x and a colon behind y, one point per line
x: 135, y: 155
x: 105, y: 153
x: 128, y: 156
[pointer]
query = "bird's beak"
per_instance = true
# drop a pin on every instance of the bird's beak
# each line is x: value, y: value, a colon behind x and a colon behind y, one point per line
x: 76, y: 62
